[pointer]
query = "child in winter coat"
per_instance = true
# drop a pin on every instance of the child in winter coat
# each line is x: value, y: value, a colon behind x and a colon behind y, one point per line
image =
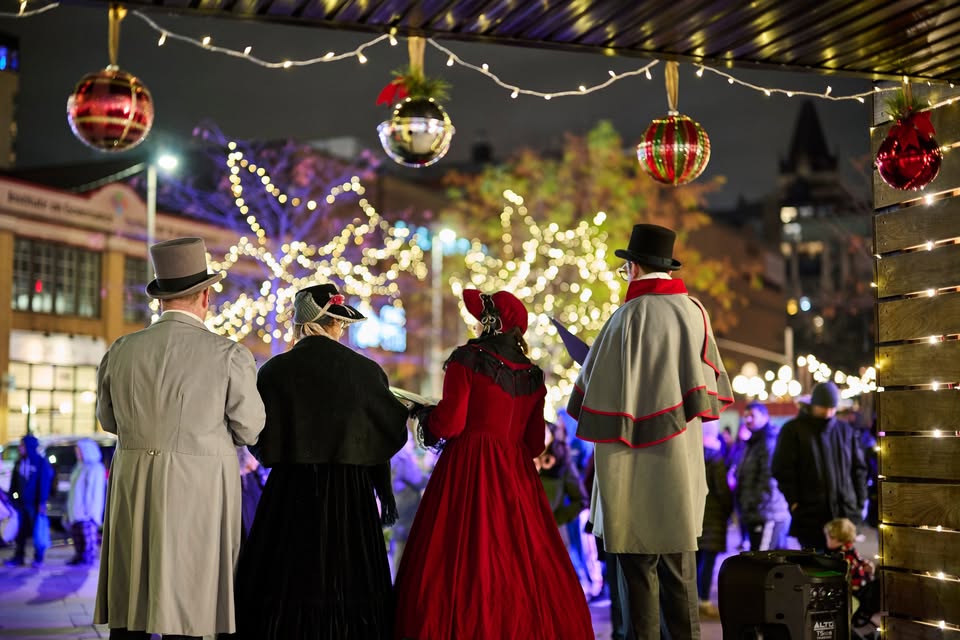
x: 841, y: 533
x: 84, y: 513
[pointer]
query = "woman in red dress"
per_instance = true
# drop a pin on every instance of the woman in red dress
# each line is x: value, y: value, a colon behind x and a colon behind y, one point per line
x: 484, y: 559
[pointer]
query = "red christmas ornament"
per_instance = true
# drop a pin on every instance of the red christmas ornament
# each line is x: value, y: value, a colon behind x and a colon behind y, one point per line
x: 674, y: 150
x: 909, y: 158
x: 110, y: 110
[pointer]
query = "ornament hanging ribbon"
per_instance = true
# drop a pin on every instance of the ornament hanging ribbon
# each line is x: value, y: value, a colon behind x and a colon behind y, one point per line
x: 117, y: 14
x: 397, y: 90
x: 671, y: 77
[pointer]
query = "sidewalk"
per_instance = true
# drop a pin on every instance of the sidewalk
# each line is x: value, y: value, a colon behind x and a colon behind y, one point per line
x: 55, y: 601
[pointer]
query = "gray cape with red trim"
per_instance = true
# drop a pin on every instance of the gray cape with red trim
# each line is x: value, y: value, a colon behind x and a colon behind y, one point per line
x: 651, y: 375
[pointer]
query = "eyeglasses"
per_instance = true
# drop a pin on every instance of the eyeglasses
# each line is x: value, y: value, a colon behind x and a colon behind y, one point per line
x: 624, y: 271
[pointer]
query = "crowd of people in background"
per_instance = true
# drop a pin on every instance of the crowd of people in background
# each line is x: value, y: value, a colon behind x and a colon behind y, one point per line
x: 470, y: 518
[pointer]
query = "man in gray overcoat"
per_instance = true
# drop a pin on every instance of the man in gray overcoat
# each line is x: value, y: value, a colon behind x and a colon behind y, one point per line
x: 180, y: 398
x: 650, y: 377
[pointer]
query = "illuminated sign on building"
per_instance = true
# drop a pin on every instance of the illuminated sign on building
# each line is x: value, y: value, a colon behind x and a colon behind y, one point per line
x: 386, y: 330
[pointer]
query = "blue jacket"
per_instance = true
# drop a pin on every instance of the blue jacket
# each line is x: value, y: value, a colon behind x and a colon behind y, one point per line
x: 32, y: 478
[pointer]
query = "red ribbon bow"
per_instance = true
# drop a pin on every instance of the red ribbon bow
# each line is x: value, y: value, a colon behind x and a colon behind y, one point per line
x: 393, y: 92
x: 908, y: 129
x: 336, y: 299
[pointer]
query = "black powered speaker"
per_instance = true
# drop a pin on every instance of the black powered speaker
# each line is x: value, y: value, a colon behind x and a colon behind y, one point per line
x: 784, y: 595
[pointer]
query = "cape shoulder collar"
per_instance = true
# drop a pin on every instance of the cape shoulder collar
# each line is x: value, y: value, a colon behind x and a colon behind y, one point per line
x: 515, y: 378
x: 655, y: 286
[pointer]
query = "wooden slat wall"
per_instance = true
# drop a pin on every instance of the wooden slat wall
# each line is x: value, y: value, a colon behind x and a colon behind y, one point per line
x: 906, y: 630
x: 912, y: 547
x: 918, y: 367
x: 924, y: 597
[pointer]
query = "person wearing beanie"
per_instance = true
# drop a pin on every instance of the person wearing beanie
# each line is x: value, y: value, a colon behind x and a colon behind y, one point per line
x: 652, y: 375
x: 825, y: 394
x: 820, y: 468
x: 315, y: 564
x: 484, y: 559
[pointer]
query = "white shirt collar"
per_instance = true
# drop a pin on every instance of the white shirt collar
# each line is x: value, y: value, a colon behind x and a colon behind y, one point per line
x: 186, y: 313
x: 656, y: 275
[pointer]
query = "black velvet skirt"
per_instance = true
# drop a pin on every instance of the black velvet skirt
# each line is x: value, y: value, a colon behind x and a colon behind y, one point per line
x: 315, y: 564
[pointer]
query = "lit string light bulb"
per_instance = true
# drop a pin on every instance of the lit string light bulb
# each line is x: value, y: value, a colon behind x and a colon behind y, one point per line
x: 23, y: 12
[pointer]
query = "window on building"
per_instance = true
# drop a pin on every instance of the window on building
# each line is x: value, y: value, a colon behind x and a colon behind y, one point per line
x: 48, y: 399
x: 136, y: 304
x: 55, y: 278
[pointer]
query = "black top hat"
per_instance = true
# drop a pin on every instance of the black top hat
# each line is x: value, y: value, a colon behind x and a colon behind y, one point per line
x: 651, y: 245
x: 324, y: 300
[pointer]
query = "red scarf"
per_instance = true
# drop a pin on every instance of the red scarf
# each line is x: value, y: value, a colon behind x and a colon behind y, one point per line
x: 655, y: 286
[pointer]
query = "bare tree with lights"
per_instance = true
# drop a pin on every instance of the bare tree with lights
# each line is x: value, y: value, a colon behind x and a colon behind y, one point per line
x: 300, y: 216
x: 546, y: 228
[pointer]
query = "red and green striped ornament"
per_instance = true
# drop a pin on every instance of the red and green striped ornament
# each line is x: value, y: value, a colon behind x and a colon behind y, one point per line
x: 674, y: 150
x: 111, y: 110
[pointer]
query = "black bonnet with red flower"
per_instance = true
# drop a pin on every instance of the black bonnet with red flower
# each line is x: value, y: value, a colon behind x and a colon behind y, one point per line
x: 323, y: 300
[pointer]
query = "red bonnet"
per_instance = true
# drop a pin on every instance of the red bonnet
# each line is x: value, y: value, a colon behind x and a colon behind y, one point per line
x: 511, y: 310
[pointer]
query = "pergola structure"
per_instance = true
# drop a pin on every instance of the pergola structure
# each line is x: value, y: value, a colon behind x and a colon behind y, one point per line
x: 917, y: 234
x: 871, y: 38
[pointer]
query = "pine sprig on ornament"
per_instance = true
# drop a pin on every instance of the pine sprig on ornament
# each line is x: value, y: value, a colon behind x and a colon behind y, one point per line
x: 901, y: 104
x: 909, y: 158
x: 411, y: 82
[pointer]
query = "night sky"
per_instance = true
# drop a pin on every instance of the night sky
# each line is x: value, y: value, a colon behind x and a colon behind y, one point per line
x: 748, y: 131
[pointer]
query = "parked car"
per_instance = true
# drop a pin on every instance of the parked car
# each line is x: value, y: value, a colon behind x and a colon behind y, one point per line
x: 62, y: 454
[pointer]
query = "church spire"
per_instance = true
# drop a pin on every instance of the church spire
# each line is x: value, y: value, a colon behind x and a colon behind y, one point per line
x: 808, y: 149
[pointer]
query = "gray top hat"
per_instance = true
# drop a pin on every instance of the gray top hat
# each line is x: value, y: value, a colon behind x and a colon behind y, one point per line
x: 181, y: 268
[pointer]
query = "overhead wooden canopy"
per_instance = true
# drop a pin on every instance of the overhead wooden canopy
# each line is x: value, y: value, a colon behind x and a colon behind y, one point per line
x: 867, y: 38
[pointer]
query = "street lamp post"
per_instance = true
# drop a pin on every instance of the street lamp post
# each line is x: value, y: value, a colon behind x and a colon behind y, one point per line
x: 166, y: 162
x: 151, y: 213
x: 440, y: 238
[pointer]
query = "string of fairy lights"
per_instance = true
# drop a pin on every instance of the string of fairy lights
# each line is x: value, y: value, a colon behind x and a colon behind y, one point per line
x: 207, y: 43
x: 386, y: 252
x: 515, y: 90
x: 575, y: 258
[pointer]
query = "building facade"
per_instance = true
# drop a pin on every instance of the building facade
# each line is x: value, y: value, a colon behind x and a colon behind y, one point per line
x: 72, y: 273
x: 825, y: 237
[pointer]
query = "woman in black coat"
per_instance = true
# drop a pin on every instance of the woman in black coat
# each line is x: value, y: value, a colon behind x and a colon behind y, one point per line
x: 315, y: 564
